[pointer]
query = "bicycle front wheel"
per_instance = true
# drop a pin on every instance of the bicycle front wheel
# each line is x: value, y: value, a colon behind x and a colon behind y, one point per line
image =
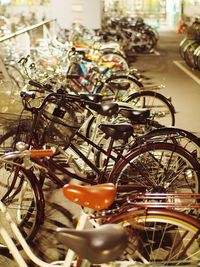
x: 161, y: 237
x: 20, y: 192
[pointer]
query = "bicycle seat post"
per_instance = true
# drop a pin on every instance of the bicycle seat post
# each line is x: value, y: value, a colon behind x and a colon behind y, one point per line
x: 109, y: 150
x: 92, y: 198
x: 80, y: 226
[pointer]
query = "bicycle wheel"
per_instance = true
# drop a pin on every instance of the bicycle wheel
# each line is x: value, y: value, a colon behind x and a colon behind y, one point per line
x: 158, y: 167
x: 183, y: 46
x: 21, y: 194
x: 187, y: 140
x: 197, y: 58
x: 161, y: 108
x: 114, y: 57
x: 120, y: 95
x: 189, y: 54
x: 160, y: 237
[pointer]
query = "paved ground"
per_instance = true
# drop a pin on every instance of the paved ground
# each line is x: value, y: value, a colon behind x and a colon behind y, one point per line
x: 163, y: 67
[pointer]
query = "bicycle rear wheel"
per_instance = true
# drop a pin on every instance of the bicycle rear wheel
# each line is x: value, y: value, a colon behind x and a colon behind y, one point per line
x: 183, y: 138
x: 160, y: 237
x: 161, y: 108
x: 119, y: 95
x: 158, y: 167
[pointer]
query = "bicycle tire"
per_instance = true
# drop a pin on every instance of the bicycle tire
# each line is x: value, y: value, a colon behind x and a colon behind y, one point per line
x: 114, y: 56
x: 178, y: 136
x: 189, y: 54
x: 160, y: 237
x: 197, y: 57
x: 183, y: 46
x: 161, y: 108
x: 135, y: 86
x: 158, y: 167
x: 22, y: 196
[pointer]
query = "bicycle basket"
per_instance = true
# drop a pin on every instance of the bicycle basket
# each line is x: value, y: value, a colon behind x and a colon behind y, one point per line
x: 62, y: 122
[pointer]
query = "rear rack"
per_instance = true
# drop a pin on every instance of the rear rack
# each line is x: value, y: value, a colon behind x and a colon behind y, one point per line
x: 165, y: 200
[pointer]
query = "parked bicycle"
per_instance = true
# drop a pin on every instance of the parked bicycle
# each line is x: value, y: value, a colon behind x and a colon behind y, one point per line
x: 189, y: 47
x: 151, y: 228
x: 149, y: 166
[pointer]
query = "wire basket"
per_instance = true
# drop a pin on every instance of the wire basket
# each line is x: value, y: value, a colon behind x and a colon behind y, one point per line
x: 61, y: 122
x: 8, y: 120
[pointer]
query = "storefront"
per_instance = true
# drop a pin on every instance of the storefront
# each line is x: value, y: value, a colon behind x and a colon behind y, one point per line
x: 91, y: 13
x: 163, y: 13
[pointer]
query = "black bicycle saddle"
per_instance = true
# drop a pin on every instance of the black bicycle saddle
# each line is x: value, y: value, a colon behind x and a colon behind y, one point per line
x: 99, y: 245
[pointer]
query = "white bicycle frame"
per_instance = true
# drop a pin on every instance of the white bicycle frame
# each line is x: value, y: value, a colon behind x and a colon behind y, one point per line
x: 69, y: 258
x: 4, y: 213
x: 15, y: 251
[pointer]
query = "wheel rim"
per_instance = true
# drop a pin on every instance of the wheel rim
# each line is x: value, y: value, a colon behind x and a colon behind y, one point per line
x: 19, y: 198
x: 159, y: 110
x: 162, y: 240
x: 159, y: 168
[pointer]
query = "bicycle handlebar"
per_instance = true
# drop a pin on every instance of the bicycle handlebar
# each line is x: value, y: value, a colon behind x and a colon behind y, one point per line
x: 37, y: 84
x: 34, y: 153
x: 26, y: 95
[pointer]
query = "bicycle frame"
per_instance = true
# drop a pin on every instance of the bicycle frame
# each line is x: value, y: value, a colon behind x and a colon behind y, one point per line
x: 84, y: 217
x: 99, y: 174
x: 133, y: 204
x: 107, y: 191
x: 14, y: 250
x: 79, y: 174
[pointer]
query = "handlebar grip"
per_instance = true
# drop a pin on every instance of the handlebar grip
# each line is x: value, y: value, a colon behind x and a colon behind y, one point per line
x: 40, y: 85
x: 35, y: 83
x: 39, y: 153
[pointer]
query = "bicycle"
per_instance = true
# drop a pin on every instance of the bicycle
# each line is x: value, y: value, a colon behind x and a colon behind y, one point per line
x: 121, y: 86
x: 153, y: 167
x: 111, y: 131
x: 112, y: 238
x: 146, y: 222
x: 22, y: 194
